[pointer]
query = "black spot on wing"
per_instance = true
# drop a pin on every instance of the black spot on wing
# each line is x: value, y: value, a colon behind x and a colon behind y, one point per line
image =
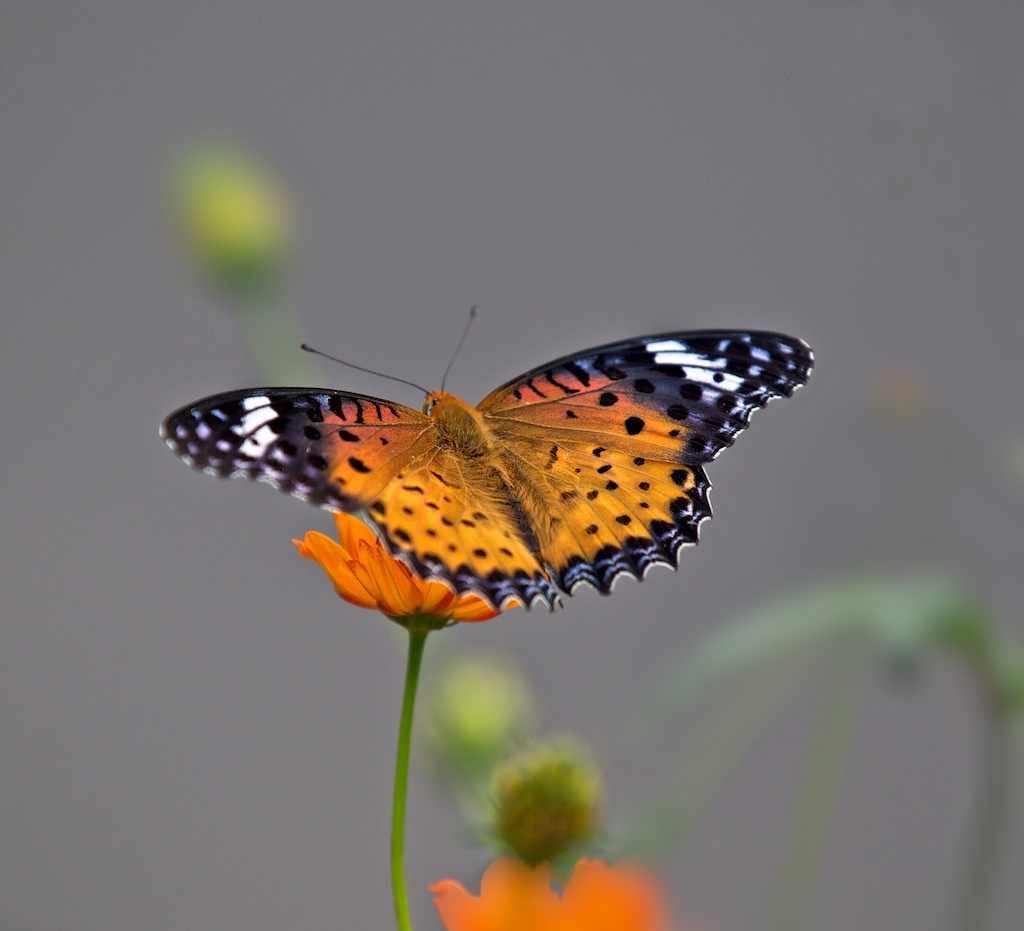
x: 609, y: 369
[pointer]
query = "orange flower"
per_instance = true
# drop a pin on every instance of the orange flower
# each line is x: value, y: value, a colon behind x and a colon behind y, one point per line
x: 365, y: 574
x: 514, y: 897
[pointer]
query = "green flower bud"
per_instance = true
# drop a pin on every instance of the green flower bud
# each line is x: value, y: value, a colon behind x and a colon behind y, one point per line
x: 547, y: 800
x: 232, y: 217
x: 480, y: 708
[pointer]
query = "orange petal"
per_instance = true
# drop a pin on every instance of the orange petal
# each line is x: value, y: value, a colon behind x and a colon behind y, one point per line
x: 397, y: 590
x: 512, y: 898
x: 364, y: 573
x: 438, y: 599
x: 474, y: 608
x: 351, y: 530
x: 332, y: 559
x: 604, y: 898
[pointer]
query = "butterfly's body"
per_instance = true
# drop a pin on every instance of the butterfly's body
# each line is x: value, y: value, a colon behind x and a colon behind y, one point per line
x: 581, y: 470
x: 459, y: 427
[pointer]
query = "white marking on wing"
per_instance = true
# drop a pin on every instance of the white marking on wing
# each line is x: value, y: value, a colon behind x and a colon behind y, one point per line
x: 254, y: 420
x: 673, y: 352
x: 726, y: 382
x: 256, y: 445
x: 688, y: 358
x: 666, y: 345
x: 257, y: 400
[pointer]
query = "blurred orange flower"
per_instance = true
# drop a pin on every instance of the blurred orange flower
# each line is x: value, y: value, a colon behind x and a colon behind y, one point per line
x: 514, y: 897
x: 364, y: 573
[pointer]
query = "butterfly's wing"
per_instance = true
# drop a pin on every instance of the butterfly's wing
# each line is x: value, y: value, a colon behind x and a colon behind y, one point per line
x: 329, y: 448
x: 447, y: 517
x: 597, y: 465
x: 606, y: 447
x: 451, y: 517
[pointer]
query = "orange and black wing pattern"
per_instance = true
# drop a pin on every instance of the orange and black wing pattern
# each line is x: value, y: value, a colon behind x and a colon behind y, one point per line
x: 608, y: 446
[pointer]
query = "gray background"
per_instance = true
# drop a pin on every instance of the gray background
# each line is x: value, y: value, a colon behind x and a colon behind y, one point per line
x: 194, y: 732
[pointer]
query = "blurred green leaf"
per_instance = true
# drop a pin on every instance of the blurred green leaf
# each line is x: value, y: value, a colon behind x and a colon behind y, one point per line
x: 903, y: 618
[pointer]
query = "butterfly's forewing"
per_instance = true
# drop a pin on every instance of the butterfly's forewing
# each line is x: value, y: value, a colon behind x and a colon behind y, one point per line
x: 329, y: 448
x: 691, y: 389
x: 611, y: 441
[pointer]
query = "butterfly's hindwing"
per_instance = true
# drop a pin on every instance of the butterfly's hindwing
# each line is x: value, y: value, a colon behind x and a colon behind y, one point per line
x: 455, y: 520
x: 331, y: 449
x: 617, y: 513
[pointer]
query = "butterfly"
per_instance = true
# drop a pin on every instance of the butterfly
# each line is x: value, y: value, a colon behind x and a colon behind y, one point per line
x: 581, y: 470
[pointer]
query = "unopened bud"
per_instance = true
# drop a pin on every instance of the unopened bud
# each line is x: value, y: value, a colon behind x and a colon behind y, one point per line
x: 547, y: 800
x: 233, y: 218
x: 479, y: 710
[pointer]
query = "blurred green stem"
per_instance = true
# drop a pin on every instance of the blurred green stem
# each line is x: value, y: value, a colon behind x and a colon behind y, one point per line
x: 417, y: 639
x: 818, y: 798
x: 987, y: 826
x: 271, y: 334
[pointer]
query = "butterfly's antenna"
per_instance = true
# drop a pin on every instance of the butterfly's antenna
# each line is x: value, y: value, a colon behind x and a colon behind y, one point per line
x: 360, y: 368
x: 465, y: 330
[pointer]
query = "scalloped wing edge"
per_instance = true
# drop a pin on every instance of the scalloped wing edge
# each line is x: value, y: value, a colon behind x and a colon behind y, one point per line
x: 498, y: 589
x: 638, y: 554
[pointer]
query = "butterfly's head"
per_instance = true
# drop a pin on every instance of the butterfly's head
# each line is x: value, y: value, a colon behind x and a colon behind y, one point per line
x: 437, y: 402
x: 458, y: 424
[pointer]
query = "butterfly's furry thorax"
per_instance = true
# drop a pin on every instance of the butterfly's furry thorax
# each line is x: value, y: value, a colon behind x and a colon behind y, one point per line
x: 459, y: 426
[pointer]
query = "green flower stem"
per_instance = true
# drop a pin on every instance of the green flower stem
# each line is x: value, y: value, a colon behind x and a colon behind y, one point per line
x: 417, y: 640
x: 818, y: 799
x: 988, y: 824
x: 271, y: 334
